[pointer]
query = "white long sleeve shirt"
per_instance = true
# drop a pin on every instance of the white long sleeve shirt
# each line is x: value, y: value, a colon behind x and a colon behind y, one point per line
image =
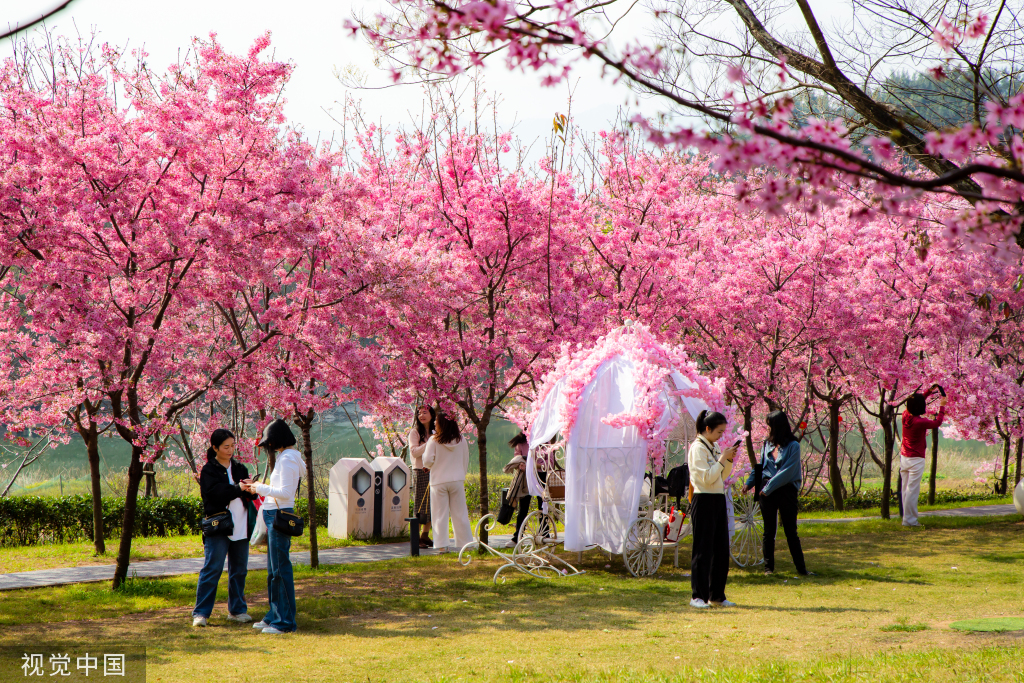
x: 708, y: 468
x: 447, y: 462
x: 284, y: 480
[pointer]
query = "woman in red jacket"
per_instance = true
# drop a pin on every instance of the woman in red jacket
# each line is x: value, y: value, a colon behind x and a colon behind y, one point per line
x: 912, y: 451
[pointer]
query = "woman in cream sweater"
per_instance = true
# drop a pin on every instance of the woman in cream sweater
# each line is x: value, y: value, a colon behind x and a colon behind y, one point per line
x: 447, y: 458
x: 709, y: 466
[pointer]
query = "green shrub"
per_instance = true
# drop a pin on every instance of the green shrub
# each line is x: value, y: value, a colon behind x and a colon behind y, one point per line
x: 872, y: 498
x: 29, y: 520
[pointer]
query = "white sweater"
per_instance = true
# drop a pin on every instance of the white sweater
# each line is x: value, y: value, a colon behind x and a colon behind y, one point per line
x: 707, y: 466
x: 446, y: 461
x: 284, y: 480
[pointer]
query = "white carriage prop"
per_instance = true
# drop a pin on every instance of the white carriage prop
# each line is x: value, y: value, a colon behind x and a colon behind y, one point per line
x: 592, y: 478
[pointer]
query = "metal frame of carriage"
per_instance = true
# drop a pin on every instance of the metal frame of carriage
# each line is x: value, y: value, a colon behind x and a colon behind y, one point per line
x: 645, y: 542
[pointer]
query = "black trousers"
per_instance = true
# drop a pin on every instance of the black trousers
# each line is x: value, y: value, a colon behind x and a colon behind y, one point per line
x: 709, y: 564
x: 781, y: 503
x: 524, y: 510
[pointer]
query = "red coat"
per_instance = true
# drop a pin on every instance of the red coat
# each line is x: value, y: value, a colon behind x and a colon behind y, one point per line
x: 915, y: 429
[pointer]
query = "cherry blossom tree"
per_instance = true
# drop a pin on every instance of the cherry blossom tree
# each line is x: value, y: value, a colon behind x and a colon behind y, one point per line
x: 484, y: 272
x: 978, y: 160
x: 133, y: 204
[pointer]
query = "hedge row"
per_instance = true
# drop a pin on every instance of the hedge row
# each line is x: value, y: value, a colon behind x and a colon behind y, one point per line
x: 28, y: 520
x: 872, y: 498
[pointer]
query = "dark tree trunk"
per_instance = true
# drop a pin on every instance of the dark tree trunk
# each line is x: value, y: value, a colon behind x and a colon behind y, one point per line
x: 935, y: 467
x: 1020, y: 452
x: 1006, y: 465
x: 306, y: 425
x: 835, y: 474
x: 149, y: 471
x: 748, y: 426
x: 92, y: 447
x: 481, y: 444
x: 124, y: 549
x: 886, y: 420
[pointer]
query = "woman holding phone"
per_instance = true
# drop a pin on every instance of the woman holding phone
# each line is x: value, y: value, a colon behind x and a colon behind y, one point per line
x: 709, y: 466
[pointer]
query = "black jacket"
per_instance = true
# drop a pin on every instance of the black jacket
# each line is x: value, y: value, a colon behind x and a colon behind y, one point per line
x: 214, y: 487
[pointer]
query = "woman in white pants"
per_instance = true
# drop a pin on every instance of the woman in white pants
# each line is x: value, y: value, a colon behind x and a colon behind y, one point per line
x: 447, y: 458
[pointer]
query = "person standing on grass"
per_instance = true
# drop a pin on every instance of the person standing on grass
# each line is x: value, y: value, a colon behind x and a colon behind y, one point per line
x: 521, y: 450
x: 422, y: 428
x: 709, y: 466
x: 279, y: 496
x: 780, y: 484
x: 912, y: 451
x: 447, y: 458
x: 220, y: 485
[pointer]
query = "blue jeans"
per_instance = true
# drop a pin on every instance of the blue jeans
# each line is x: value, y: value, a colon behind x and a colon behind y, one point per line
x: 216, y: 549
x: 280, y: 583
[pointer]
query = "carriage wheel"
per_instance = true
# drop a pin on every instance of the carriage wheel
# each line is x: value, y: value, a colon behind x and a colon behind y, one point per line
x: 644, y: 547
x: 535, y: 527
x: 748, y: 534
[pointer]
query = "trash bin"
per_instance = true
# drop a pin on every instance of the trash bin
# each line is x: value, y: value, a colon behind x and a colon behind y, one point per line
x: 391, y: 492
x: 350, y: 507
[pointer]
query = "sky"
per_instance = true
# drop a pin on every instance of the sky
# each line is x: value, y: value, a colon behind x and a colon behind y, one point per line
x: 309, y: 34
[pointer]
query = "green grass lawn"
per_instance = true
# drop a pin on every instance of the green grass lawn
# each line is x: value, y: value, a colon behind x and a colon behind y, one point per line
x: 879, y: 610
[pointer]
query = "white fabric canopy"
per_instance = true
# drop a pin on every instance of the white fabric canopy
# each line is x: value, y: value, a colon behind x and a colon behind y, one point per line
x: 604, y: 465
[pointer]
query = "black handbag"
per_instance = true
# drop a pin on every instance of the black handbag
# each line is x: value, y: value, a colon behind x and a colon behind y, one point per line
x: 506, y: 511
x: 220, y: 524
x: 288, y: 523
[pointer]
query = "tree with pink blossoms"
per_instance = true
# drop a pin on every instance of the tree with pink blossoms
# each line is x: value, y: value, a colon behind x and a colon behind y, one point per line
x: 748, y: 87
x: 484, y: 277
x: 128, y: 220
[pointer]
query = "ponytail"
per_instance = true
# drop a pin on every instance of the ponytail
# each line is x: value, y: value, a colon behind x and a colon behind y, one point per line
x: 211, y: 453
x: 709, y: 419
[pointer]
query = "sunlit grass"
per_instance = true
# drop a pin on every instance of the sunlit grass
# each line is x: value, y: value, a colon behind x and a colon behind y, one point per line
x: 878, y: 610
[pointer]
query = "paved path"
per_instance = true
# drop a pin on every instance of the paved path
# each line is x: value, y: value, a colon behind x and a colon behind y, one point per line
x: 192, y: 565
x: 976, y: 511
x: 352, y: 555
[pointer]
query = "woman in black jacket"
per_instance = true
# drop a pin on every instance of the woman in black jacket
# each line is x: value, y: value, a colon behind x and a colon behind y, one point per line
x: 219, y: 484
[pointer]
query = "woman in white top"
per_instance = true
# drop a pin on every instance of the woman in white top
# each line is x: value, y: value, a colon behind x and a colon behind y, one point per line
x: 279, y: 495
x: 422, y: 428
x: 447, y: 457
x: 220, y: 484
x: 709, y: 466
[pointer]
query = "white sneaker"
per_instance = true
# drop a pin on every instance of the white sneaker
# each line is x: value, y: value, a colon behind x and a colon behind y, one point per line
x: 724, y: 603
x: 510, y: 543
x: 260, y: 625
x: 240, y: 618
x: 198, y: 621
x: 271, y: 631
x: 699, y: 604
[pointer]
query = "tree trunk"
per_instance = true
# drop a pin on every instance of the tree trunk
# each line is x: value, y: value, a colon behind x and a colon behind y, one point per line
x: 935, y: 466
x: 306, y: 426
x: 748, y: 426
x: 149, y: 470
x: 1006, y: 464
x: 835, y: 475
x: 886, y: 421
x: 124, y: 550
x: 1020, y: 452
x: 481, y: 444
x: 92, y: 447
